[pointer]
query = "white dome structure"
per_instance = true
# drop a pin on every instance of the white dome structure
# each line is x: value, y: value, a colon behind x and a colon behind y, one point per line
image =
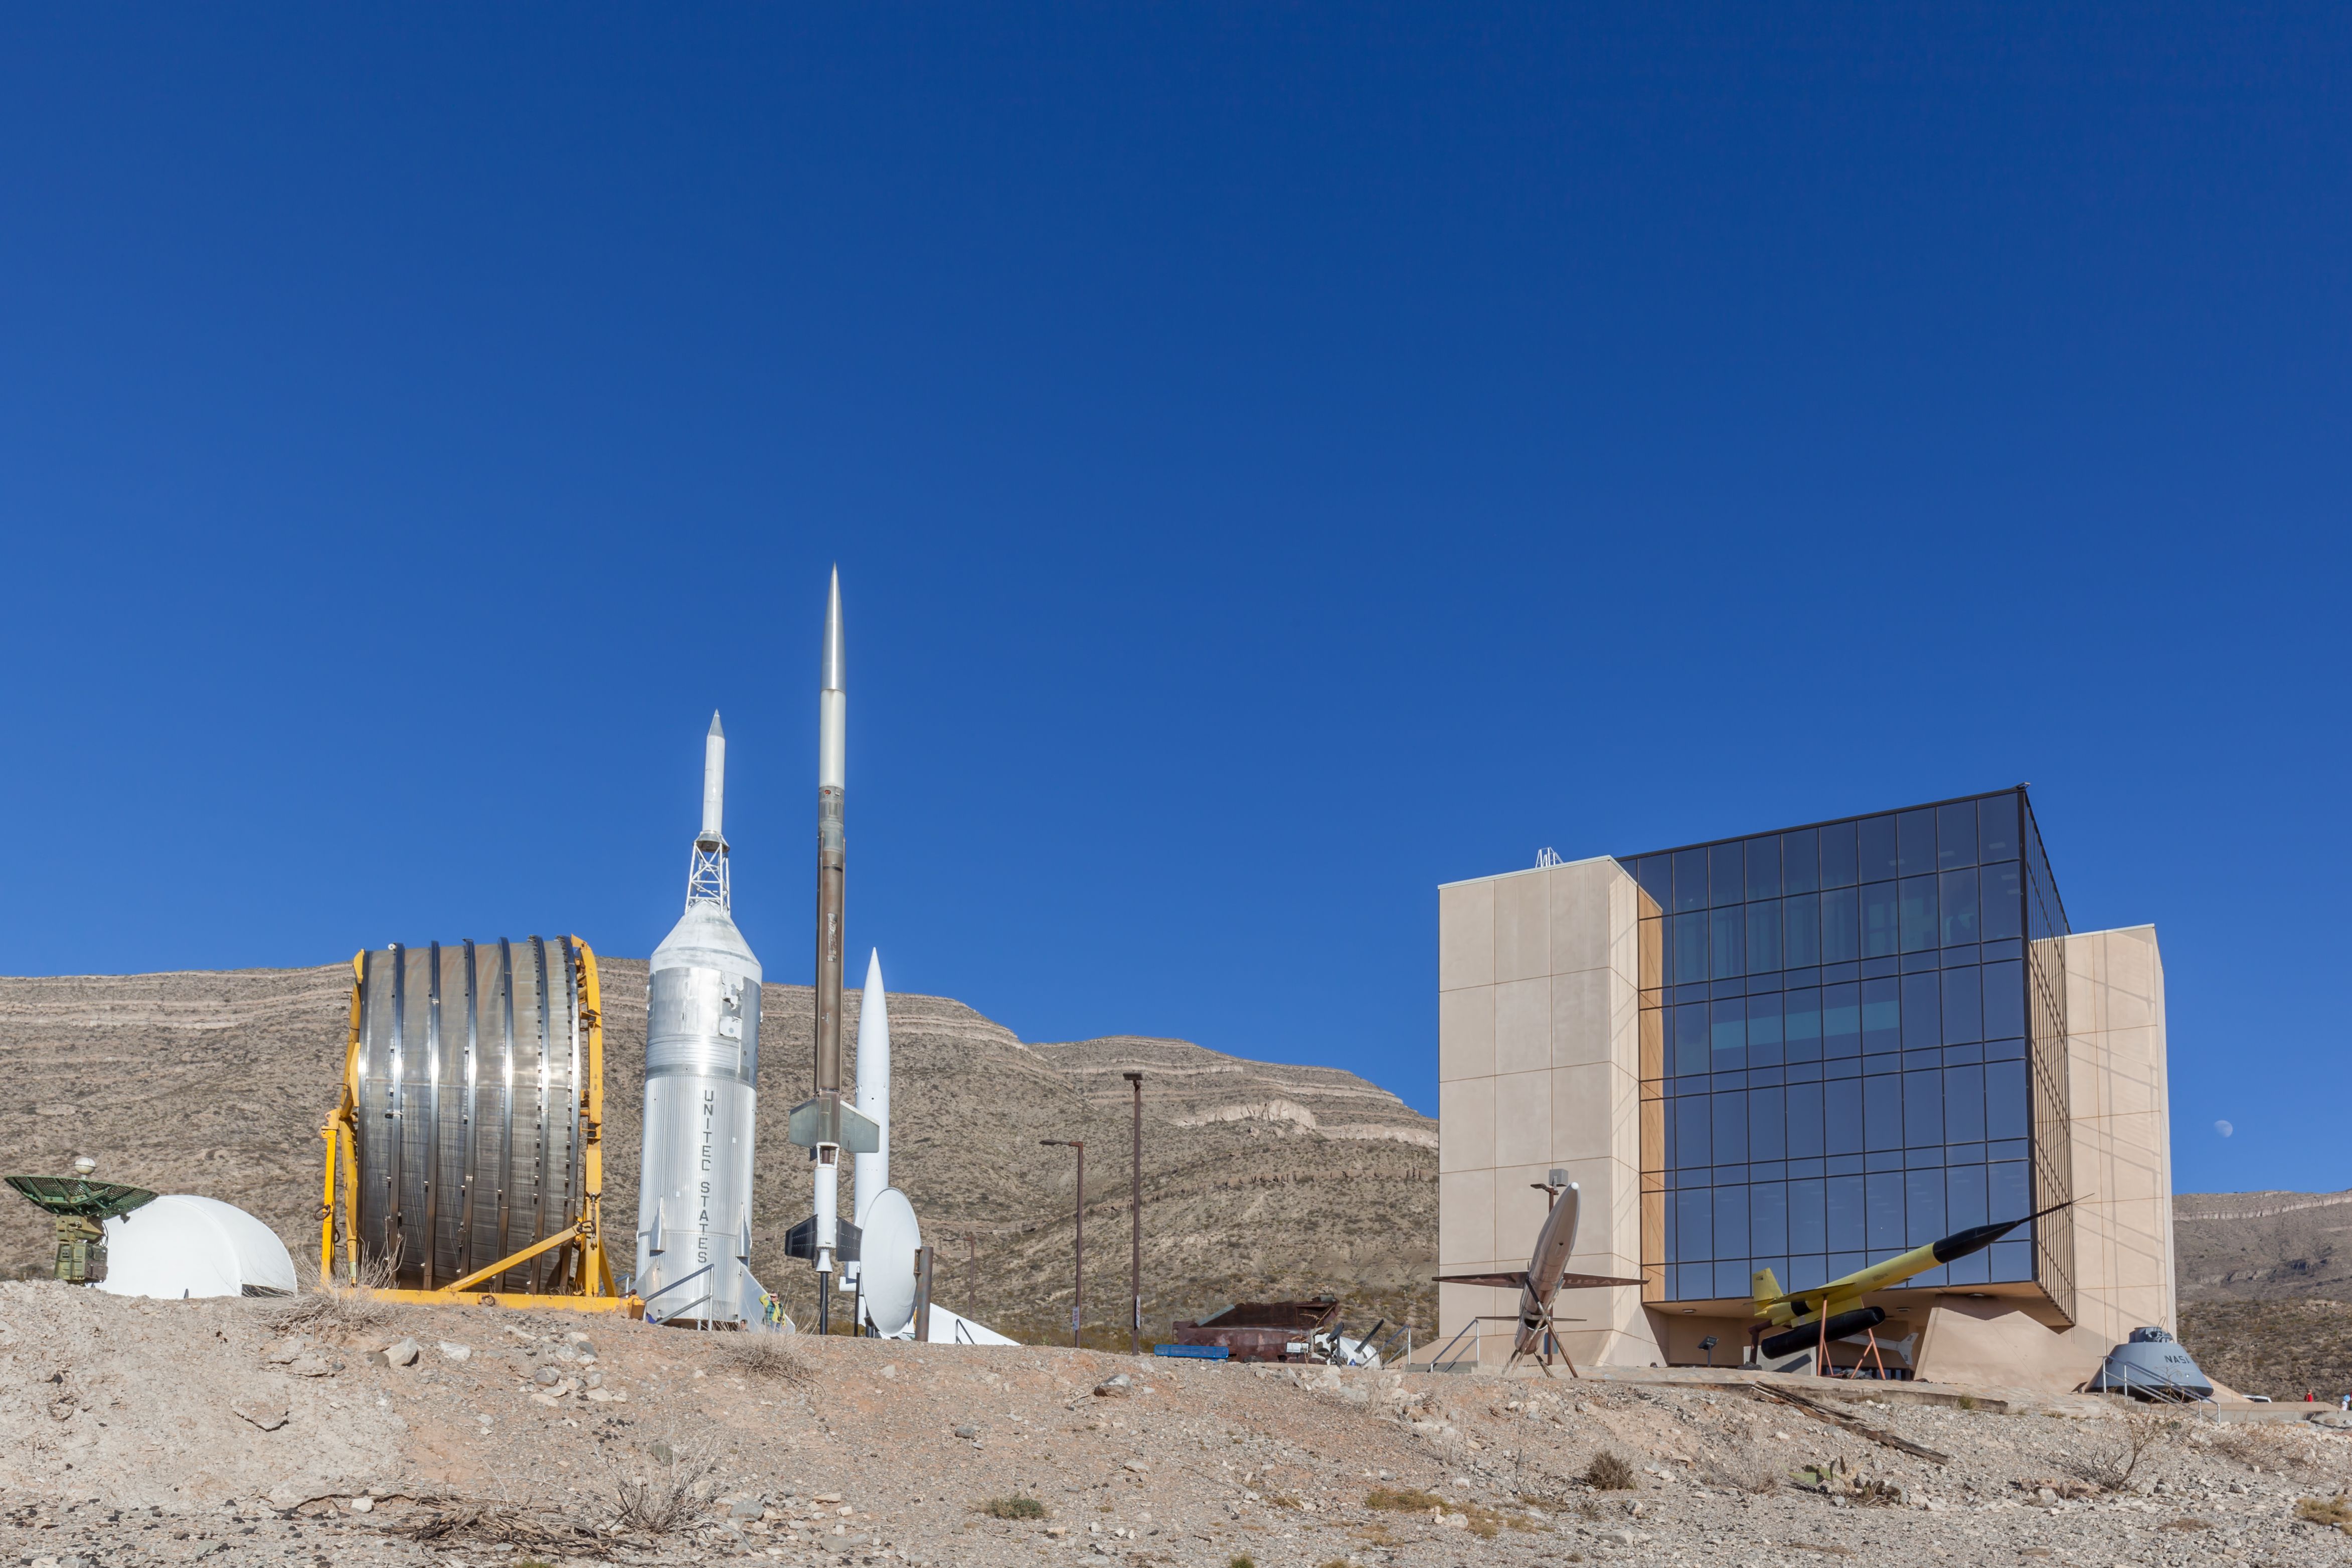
x: 184, y: 1246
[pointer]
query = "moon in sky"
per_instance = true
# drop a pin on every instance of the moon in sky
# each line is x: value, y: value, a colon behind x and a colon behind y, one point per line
x: 2223, y: 1128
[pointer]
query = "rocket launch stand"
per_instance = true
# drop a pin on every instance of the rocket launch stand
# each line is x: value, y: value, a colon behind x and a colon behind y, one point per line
x: 579, y: 1273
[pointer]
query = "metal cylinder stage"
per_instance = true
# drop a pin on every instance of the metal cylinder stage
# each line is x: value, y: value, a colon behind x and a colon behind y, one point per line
x: 470, y: 1077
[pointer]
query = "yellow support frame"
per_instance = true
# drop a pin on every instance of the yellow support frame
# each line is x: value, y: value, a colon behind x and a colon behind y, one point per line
x: 339, y: 1244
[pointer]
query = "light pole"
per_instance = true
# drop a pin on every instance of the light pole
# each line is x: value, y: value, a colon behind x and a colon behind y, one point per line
x: 1078, y: 1246
x: 1135, y: 1262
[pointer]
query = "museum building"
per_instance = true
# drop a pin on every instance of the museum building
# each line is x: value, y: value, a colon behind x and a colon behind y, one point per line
x: 1806, y: 1051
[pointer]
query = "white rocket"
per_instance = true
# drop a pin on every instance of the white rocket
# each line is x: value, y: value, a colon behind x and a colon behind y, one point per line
x: 702, y: 1073
x: 874, y: 1084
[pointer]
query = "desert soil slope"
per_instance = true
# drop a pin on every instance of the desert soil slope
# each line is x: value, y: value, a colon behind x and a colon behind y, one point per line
x: 244, y: 1433
x: 1260, y: 1180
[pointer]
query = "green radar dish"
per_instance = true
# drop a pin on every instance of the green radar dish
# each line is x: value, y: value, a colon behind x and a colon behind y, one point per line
x: 81, y: 1206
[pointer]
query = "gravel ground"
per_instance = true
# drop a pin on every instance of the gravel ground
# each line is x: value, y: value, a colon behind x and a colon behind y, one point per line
x: 268, y: 1432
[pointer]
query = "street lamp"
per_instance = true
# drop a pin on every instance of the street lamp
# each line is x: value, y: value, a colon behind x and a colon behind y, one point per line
x: 1079, y: 1246
x: 1135, y: 1263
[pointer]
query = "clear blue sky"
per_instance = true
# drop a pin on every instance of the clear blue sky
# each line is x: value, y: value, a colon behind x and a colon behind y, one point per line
x: 1280, y: 459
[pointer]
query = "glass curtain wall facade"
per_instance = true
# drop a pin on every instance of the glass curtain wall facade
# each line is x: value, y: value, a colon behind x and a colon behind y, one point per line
x: 1860, y: 1036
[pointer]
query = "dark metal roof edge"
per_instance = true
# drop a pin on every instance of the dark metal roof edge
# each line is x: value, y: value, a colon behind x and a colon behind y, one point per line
x: 2017, y: 790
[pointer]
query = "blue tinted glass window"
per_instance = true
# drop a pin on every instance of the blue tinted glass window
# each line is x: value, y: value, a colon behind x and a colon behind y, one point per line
x: 1727, y: 958
x: 1686, y: 935
x: 1802, y: 1025
x: 1997, y: 828
x: 2008, y: 1113
x: 1804, y: 1114
x: 1844, y: 1202
x: 1764, y: 867
x: 1956, y: 835
x: 1886, y: 1217
x: 1842, y: 1020
x: 2012, y: 1261
x: 1693, y: 1142
x: 1923, y: 1012
x: 1801, y: 924
x: 1727, y: 1035
x: 1764, y: 1035
x: 1964, y: 1105
x: 1841, y: 1116
x: 1914, y: 833
x: 2003, y: 914
x: 1800, y: 862
x: 2004, y: 1000
x: 1731, y: 1278
x: 2006, y: 1191
x: 1963, y: 1007
x: 1656, y: 875
x: 1694, y: 1226
x: 1690, y: 1040
x: 1882, y: 1014
x: 1767, y: 1125
x: 1768, y: 1219
x: 1840, y: 925
x: 1764, y: 936
x: 1807, y: 1218
x: 1726, y: 874
x: 1690, y: 880
x: 1956, y: 900
x: 1731, y: 1128
x: 1882, y: 1111
x: 1923, y: 1109
x: 1839, y: 866
x: 1878, y: 924
x: 1915, y: 901
x: 1966, y: 1185
x: 1923, y: 1199
x: 1731, y: 1224
x: 1880, y: 860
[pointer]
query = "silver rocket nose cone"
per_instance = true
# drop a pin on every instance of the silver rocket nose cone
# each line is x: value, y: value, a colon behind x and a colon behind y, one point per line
x: 834, y: 680
x: 714, y: 725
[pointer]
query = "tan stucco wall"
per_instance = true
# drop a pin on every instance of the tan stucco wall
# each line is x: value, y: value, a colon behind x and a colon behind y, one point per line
x: 1538, y: 1067
x: 2120, y: 1121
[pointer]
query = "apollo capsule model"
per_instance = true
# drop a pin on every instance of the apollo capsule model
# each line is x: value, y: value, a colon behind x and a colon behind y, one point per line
x: 702, y: 1073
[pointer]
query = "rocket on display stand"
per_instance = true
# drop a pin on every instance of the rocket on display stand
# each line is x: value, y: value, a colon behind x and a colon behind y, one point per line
x: 702, y: 1072
x: 824, y: 1124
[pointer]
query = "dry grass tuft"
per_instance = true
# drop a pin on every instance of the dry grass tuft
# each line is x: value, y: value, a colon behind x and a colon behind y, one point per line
x: 766, y: 1355
x: 1746, y: 1469
x: 673, y: 1492
x: 338, y: 1308
x: 1610, y: 1471
x: 1013, y: 1508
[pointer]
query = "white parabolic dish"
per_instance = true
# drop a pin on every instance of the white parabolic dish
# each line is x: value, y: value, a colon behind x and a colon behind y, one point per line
x: 886, y: 1261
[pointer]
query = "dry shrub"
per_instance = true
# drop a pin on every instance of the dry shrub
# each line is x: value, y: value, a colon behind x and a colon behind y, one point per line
x: 673, y: 1491
x: 768, y: 1356
x: 2336, y: 1511
x: 1404, y: 1499
x: 2267, y: 1448
x: 2111, y: 1459
x: 1748, y: 1470
x: 493, y: 1524
x: 1610, y: 1471
x: 1834, y: 1479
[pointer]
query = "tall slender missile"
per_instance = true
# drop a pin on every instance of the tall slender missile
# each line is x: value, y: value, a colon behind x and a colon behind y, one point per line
x: 822, y: 1123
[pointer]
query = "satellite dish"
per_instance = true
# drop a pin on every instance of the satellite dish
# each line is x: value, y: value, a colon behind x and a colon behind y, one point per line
x: 886, y: 1261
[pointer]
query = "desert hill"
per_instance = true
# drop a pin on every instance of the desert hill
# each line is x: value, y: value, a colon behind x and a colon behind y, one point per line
x: 1259, y: 1179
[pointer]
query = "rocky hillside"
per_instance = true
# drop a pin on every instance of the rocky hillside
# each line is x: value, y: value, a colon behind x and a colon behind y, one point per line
x: 2263, y: 1245
x: 1259, y: 1179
